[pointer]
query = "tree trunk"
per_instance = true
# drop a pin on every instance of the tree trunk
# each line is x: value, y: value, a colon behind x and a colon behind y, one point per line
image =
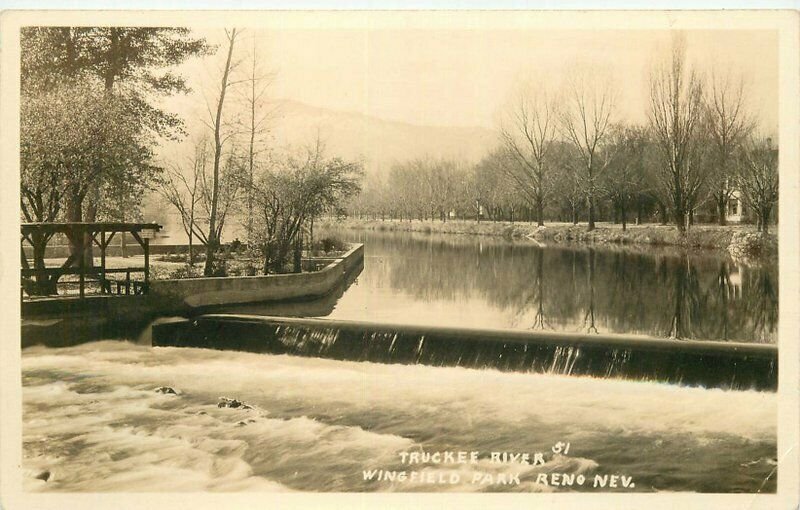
x: 74, y: 214
x: 721, y: 203
x: 211, y: 246
x: 681, y: 219
x: 311, y: 236
x: 764, y: 220
x: 298, y: 254
x: 44, y: 285
x: 539, y: 213
x: 90, y: 216
x: 624, y: 213
x: 278, y: 259
x: 191, y: 248
x: 591, y: 212
x: 267, y: 257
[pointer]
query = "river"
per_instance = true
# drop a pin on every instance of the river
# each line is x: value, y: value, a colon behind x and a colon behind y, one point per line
x: 94, y: 422
x: 485, y: 282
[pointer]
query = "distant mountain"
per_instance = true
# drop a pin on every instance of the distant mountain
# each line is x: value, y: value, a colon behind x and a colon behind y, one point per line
x: 379, y: 143
x: 353, y: 136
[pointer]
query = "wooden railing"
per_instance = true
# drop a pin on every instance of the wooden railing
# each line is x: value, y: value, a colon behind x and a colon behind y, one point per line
x: 121, y: 286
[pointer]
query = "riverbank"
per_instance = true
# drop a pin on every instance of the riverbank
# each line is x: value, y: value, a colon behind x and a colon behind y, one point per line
x: 740, y: 241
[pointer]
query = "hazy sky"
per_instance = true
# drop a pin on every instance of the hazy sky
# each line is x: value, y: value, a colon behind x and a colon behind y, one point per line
x: 464, y: 77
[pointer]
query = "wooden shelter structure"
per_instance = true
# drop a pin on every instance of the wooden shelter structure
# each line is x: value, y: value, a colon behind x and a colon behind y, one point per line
x: 40, y: 280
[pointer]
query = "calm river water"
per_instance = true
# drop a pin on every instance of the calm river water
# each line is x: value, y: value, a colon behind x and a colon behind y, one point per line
x: 93, y: 419
x: 483, y: 282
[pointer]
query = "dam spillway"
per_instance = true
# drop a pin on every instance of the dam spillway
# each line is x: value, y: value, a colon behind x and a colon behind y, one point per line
x: 725, y: 365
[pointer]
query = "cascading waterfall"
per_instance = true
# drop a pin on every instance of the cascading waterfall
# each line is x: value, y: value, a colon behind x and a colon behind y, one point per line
x: 724, y: 365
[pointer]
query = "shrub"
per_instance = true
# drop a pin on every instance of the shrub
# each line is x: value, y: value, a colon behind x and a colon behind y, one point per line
x: 241, y: 268
x: 160, y: 273
x: 752, y: 245
x: 235, y: 245
x: 329, y: 244
x: 173, y: 257
x: 186, y: 271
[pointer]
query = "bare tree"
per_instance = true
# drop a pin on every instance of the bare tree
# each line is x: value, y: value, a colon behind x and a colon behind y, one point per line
x: 185, y: 193
x: 585, y: 121
x: 291, y: 194
x: 258, y: 82
x: 528, y: 134
x: 626, y: 175
x: 757, y: 179
x: 676, y: 109
x: 213, y: 220
x: 229, y: 185
x: 488, y: 183
x: 567, y: 182
x: 728, y: 125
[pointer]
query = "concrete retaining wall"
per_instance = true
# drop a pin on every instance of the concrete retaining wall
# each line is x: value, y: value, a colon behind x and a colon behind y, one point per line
x: 205, y: 292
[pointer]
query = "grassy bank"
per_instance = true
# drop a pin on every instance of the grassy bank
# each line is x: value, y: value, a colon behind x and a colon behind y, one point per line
x: 741, y: 241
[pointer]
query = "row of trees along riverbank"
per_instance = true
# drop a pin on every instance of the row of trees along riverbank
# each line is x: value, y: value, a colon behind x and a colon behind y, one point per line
x: 564, y: 158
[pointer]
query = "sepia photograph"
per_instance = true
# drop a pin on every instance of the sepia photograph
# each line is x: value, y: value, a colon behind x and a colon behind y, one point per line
x: 401, y: 252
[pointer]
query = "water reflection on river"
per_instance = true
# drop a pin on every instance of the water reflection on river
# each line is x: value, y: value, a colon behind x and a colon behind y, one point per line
x: 486, y: 282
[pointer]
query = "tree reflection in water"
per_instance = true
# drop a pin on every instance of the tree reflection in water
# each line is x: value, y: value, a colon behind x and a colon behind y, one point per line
x: 656, y: 292
x: 685, y: 296
x: 588, y: 318
x: 539, y: 321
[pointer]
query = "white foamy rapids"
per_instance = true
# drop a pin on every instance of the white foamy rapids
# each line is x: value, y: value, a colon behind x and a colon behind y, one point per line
x: 139, y: 440
x: 92, y: 418
x: 626, y: 406
x: 107, y: 440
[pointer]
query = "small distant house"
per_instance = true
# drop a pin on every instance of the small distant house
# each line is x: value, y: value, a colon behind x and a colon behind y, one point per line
x: 735, y: 213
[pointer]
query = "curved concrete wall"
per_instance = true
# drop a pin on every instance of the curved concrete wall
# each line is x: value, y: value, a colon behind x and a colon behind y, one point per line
x: 202, y: 292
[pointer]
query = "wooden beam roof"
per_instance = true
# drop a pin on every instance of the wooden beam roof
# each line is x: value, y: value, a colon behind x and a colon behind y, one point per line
x: 94, y: 227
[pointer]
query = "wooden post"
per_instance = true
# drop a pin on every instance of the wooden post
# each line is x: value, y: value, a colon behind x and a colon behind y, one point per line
x: 127, y: 282
x: 146, y: 247
x: 102, y: 262
x: 25, y: 264
x: 82, y: 262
